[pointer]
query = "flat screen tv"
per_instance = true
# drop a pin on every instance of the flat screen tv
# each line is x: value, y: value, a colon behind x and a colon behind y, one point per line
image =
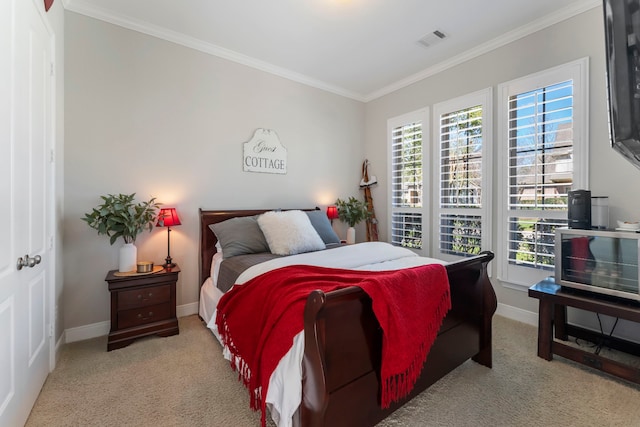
x: 622, y: 39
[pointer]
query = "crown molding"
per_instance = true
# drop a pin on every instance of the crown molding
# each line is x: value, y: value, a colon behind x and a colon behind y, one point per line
x: 532, y: 27
x: 84, y: 8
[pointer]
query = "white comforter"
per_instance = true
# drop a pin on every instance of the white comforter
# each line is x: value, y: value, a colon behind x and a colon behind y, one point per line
x: 285, y: 385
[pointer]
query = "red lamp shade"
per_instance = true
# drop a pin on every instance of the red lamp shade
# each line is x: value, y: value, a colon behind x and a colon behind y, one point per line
x: 332, y: 212
x: 168, y: 217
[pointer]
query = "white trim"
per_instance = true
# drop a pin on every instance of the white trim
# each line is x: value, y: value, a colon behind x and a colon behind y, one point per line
x: 93, y: 11
x: 187, y: 309
x: 531, y: 318
x: 422, y: 116
x: 52, y: 215
x: 58, y: 347
x: 81, y: 333
x: 515, y: 313
x: 578, y: 71
x: 504, y: 39
x: 482, y: 97
x: 100, y: 329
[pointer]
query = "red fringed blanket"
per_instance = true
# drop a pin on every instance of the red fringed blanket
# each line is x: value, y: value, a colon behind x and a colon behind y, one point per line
x: 258, y: 320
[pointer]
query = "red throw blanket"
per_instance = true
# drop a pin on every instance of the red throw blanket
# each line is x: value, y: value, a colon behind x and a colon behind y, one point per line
x: 258, y: 320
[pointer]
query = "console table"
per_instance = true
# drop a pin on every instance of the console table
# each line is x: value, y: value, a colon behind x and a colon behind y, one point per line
x: 552, y: 315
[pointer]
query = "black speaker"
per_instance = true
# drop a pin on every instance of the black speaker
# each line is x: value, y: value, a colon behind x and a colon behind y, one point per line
x: 580, y: 209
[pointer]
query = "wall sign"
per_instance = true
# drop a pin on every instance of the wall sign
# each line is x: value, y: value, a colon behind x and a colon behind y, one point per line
x: 264, y: 153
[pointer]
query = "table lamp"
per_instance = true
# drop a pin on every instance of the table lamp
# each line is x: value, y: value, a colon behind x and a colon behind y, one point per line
x: 332, y: 213
x: 168, y: 217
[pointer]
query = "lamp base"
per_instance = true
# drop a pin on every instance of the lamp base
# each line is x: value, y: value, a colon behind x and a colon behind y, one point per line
x: 169, y: 263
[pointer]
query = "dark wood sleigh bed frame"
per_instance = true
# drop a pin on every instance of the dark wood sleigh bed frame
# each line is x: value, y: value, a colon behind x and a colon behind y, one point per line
x: 343, y: 341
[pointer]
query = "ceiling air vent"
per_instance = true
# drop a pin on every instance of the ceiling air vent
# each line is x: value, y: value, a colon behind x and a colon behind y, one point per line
x: 432, y: 38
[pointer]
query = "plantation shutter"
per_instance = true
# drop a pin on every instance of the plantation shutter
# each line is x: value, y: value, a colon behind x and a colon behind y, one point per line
x: 407, y: 183
x: 460, y: 228
x: 540, y: 171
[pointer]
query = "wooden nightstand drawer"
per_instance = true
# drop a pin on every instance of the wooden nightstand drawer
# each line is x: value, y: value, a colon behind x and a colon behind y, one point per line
x: 143, y: 315
x: 142, y: 305
x: 143, y: 297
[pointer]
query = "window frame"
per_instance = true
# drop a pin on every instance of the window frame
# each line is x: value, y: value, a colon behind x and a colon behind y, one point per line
x: 578, y: 72
x: 421, y: 116
x: 484, y: 98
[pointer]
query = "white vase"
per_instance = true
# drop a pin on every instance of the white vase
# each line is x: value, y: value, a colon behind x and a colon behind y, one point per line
x: 351, y: 235
x: 128, y: 257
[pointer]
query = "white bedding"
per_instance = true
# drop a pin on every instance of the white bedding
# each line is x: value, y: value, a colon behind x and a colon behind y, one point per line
x: 285, y: 385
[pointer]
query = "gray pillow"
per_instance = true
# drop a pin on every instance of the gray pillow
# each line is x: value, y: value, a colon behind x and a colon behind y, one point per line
x: 322, y: 225
x: 240, y: 236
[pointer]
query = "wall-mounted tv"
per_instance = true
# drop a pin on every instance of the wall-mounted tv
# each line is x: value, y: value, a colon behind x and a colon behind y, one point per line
x: 622, y: 38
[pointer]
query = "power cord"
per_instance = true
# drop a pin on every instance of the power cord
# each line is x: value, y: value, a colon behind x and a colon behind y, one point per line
x: 601, y: 341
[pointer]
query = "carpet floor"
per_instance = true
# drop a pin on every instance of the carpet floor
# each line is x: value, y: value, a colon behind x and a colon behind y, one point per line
x: 184, y: 381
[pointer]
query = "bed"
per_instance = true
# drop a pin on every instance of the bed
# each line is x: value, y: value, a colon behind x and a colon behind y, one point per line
x: 345, y: 391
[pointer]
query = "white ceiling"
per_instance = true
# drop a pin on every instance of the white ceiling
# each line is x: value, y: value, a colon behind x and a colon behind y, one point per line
x: 357, y: 48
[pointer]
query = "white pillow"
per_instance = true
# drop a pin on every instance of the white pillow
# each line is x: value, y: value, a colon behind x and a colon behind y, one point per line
x: 289, y: 232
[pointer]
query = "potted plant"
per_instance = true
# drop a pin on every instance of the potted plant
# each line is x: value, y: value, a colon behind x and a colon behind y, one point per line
x: 352, y: 211
x: 119, y: 216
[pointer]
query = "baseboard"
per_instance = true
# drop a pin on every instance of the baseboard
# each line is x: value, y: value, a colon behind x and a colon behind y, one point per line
x: 59, y: 344
x: 515, y: 313
x: 187, y: 309
x: 99, y: 329
x: 55, y: 352
x: 87, y: 332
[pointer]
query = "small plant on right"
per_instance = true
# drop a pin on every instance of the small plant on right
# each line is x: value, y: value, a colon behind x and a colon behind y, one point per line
x: 352, y: 211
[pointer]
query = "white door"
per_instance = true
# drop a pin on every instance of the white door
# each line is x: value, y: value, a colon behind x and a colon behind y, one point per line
x: 25, y: 183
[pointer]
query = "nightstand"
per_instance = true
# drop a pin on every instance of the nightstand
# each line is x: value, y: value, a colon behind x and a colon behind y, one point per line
x: 142, y: 305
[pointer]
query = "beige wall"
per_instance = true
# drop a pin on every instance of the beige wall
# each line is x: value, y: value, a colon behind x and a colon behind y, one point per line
x: 147, y: 116
x: 581, y: 36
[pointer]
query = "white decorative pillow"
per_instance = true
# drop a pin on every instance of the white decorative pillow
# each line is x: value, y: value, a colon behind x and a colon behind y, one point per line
x: 289, y: 232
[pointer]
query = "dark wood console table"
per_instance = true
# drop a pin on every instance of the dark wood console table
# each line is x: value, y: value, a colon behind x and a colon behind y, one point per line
x: 552, y: 314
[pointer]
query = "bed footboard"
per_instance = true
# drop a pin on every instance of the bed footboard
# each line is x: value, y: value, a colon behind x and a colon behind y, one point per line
x: 343, y: 347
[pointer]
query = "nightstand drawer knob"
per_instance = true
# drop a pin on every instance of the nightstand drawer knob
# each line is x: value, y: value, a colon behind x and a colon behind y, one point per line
x: 145, y: 318
x: 150, y: 294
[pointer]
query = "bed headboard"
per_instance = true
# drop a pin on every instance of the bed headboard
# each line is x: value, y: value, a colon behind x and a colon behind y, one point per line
x: 208, y: 240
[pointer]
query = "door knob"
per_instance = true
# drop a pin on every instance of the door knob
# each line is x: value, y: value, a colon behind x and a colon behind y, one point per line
x: 26, y: 261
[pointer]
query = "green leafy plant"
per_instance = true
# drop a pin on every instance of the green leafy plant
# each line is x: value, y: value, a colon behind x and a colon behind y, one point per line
x: 352, y: 211
x: 119, y: 216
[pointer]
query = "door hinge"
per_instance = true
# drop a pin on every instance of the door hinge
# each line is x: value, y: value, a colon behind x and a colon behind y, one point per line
x: 52, y: 70
x: 50, y: 330
x: 50, y: 243
x: 51, y: 156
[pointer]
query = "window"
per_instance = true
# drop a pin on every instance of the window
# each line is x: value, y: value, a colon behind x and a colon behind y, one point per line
x: 544, y: 155
x: 462, y: 164
x: 407, y: 178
